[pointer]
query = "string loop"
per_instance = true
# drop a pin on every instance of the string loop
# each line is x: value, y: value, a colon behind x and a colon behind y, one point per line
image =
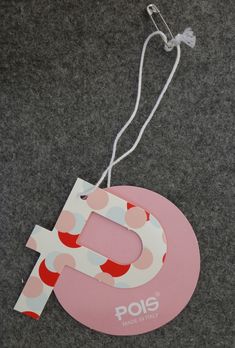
x: 175, y: 42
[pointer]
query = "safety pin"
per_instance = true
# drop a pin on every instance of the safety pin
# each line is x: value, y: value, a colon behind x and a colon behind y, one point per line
x: 154, y: 9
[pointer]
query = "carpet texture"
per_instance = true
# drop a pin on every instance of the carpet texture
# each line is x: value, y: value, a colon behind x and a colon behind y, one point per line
x: 68, y: 83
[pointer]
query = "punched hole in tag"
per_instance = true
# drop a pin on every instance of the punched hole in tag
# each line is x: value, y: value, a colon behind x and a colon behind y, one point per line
x: 111, y: 240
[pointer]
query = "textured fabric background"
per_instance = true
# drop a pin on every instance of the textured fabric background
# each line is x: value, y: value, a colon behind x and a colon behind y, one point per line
x: 68, y: 83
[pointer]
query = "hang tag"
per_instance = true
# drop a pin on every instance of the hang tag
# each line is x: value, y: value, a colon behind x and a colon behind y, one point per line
x: 98, y: 287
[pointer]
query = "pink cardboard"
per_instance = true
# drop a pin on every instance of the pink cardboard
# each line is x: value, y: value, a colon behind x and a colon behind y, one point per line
x: 141, y: 309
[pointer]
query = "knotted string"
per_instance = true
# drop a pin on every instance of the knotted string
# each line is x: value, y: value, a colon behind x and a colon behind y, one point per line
x: 188, y: 38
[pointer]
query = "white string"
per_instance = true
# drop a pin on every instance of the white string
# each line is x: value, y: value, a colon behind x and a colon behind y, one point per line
x: 113, y: 162
x: 187, y: 37
x: 136, y: 103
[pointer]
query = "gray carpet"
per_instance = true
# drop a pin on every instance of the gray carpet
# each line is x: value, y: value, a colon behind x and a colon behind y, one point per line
x: 68, y: 82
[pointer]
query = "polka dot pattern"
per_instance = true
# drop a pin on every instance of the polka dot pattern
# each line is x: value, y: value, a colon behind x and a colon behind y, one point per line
x: 114, y: 269
x: 64, y: 260
x: 69, y: 240
x: 33, y: 287
x: 145, y: 260
x: 49, y: 261
x: 130, y: 205
x: 48, y: 277
x: 66, y: 221
x: 135, y: 217
x: 62, y: 248
x: 105, y: 278
x: 31, y: 314
x: 98, y: 199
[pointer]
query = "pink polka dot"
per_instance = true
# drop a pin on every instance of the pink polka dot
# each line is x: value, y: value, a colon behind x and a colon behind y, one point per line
x: 97, y: 199
x: 63, y: 260
x: 66, y: 221
x: 145, y: 260
x: 135, y: 217
x: 31, y: 244
x: 105, y: 278
x: 33, y: 287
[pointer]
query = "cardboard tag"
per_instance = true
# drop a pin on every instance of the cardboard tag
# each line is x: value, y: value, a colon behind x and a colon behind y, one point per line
x: 96, y: 288
x: 60, y: 247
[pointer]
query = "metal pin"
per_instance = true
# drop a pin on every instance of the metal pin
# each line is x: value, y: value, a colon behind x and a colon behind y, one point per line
x: 151, y: 9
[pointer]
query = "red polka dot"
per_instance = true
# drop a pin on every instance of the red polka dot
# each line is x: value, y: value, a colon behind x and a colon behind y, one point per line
x: 70, y: 240
x: 130, y: 205
x: 164, y: 258
x: 114, y: 269
x: 31, y: 314
x: 48, y: 277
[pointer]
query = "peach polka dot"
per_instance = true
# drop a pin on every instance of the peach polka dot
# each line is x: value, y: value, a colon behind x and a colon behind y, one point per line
x: 33, y: 287
x: 97, y: 199
x: 63, y: 260
x: 31, y: 244
x: 145, y: 260
x: 66, y: 221
x: 135, y: 217
x: 105, y: 278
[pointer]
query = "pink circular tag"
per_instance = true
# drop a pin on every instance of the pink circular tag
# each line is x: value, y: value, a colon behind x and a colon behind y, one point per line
x: 138, y: 310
